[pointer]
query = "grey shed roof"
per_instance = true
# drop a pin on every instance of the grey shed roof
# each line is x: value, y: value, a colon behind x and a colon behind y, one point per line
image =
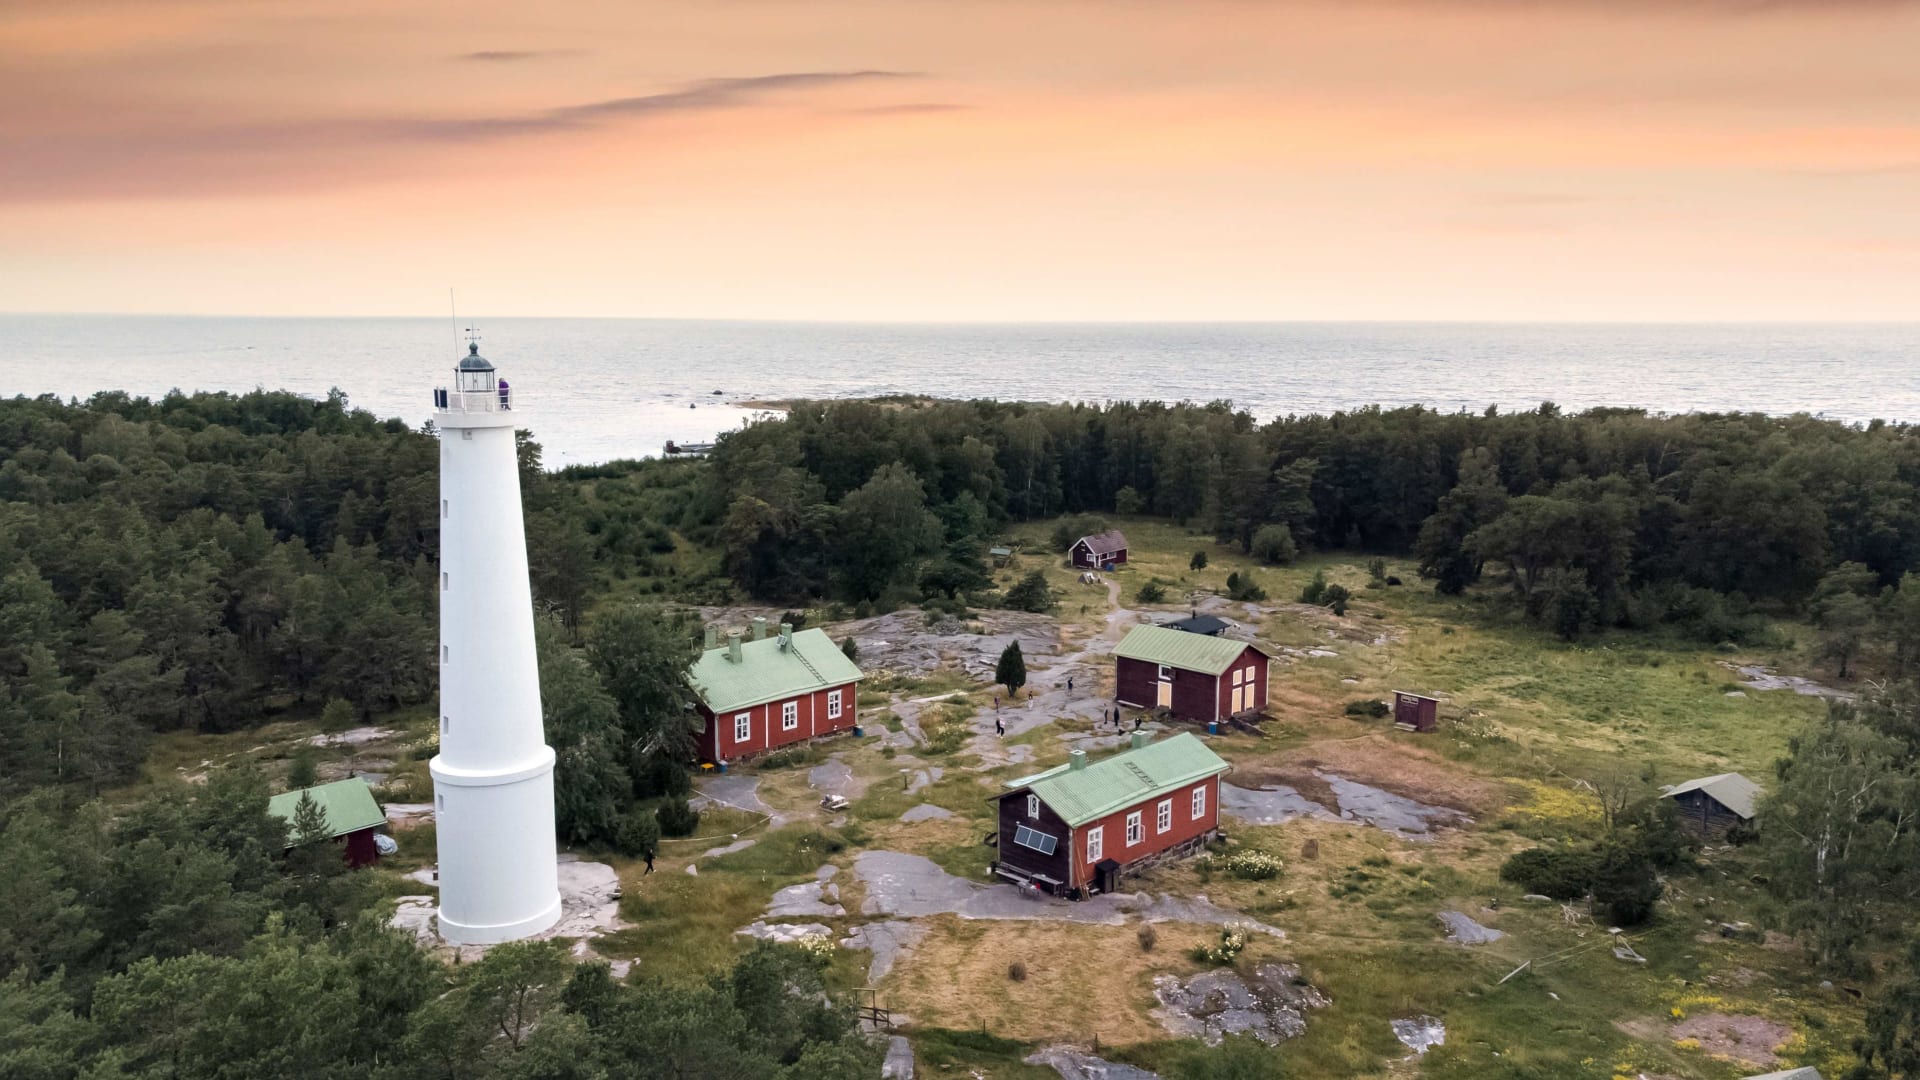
x: 1729, y: 789
x: 1805, y: 1072
x: 473, y: 361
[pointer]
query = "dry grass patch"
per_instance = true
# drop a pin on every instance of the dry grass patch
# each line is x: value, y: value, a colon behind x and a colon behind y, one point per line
x: 1080, y: 980
x: 1398, y: 765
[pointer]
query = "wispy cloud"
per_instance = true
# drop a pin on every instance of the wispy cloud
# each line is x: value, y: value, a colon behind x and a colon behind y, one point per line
x: 907, y: 108
x: 195, y: 159
x: 507, y: 56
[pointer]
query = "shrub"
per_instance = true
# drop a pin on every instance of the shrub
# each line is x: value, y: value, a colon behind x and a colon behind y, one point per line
x: 1335, y: 598
x: 1377, y: 570
x: 1252, y: 865
x: 1372, y: 707
x: 1244, y: 588
x: 303, y: 769
x: 1203, y: 866
x: 1151, y: 592
x: 677, y: 818
x: 1562, y: 873
x: 1031, y: 594
x: 1198, y: 562
x: 851, y: 649
x: 1316, y: 590
x: 1626, y: 885
x: 1017, y: 971
x: 1148, y: 937
x: 796, y: 619
x: 1273, y: 545
x: 1126, y: 501
x: 336, y: 717
x: 1233, y: 940
x: 637, y: 833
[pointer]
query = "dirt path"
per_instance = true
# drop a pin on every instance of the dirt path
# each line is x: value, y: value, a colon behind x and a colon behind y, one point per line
x: 1048, y: 697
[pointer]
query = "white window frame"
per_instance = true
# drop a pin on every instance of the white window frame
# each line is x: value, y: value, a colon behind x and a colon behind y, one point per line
x: 1163, y: 816
x: 833, y: 704
x: 1096, y: 844
x: 1199, y: 802
x: 1136, y: 829
x: 789, y: 715
x: 743, y: 727
x: 1033, y: 806
x: 1166, y: 673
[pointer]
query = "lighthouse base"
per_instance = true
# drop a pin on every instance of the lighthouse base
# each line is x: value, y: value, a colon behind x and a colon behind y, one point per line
x: 498, y: 876
x: 463, y: 934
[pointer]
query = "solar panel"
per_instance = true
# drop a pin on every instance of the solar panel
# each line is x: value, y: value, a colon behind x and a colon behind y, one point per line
x: 1044, y: 843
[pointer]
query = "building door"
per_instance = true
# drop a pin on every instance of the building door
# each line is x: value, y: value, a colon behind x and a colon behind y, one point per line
x: 1239, y: 697
x: 1165, y: 694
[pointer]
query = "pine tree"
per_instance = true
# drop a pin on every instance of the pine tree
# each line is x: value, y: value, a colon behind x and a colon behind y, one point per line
x: 1011, y: 672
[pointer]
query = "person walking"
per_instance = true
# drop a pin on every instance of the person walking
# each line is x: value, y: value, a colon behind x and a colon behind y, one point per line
x: 648, y: 855
x: 996, y: 703
x: 1069, y: 684
x: 999, y: 728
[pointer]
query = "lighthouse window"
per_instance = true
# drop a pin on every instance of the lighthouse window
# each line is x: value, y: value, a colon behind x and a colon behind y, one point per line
x: 439, y: 802
x: 789, y: 715
x: 446, y: 724
x: 443, y: 580
x: 444, y: 654
x: 466, y: 433
x: 443, y: 508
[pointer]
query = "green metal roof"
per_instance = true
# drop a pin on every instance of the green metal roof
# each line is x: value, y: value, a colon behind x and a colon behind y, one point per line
x: 1126, y: 778
x: 768, y: 673
x: 1177, y: 648
x: 348, y: 804
x: 1729, y: 789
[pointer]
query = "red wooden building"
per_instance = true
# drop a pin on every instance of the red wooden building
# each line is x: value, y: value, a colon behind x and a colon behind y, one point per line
x: 353, y: 816
x: 1080, y: 828
x: 1101, y: 551
x: 1415, y: 712
x: 767, y: 692
x: 1195, y: 676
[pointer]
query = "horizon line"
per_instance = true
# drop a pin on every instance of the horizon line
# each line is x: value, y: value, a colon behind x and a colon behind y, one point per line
x: 776, y: 320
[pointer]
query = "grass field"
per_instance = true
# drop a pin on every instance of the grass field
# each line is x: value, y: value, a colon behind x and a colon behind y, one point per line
x: 1525, y: 718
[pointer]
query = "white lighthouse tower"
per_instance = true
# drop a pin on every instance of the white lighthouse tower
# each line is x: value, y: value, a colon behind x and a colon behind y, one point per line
x: 493, y: 778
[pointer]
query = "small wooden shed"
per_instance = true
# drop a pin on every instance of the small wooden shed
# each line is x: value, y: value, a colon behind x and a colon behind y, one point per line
x: 1415, y: 712
x: 1714, y: 804
x: 353, y: 815
x: 1001, y: 555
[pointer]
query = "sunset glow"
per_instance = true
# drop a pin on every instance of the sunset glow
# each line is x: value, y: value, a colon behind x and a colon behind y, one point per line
x: 987, y: 160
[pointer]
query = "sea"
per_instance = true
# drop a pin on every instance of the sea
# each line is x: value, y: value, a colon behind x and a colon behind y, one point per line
x: 594, y: 390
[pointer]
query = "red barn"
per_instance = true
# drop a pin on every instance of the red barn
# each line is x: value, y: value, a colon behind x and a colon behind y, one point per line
x: 1101, y: 551
x: 352, y: 813
x: 1195, y: 676
x: 1080, y: 828
x: 768, y: 692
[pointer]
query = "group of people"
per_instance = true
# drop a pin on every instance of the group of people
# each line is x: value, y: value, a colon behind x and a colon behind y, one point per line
x: 1000, y: 726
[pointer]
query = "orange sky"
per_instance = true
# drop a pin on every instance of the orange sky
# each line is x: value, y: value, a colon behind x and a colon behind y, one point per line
x: 991, y: 159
